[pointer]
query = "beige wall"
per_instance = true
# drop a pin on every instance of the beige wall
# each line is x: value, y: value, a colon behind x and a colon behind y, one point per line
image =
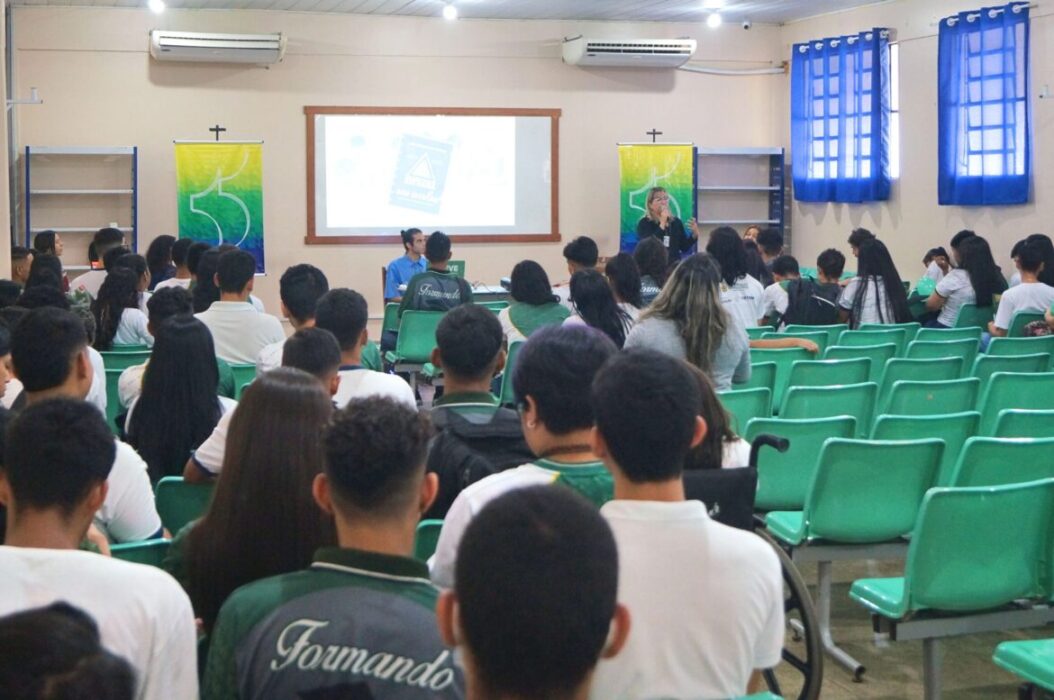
x: 101, y: 88
x: 911, y: 221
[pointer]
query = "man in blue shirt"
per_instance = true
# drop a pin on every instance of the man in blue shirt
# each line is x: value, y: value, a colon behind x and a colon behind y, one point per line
x: 402, y: 269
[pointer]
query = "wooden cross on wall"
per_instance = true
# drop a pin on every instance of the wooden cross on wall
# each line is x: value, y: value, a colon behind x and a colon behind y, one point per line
x: 216, y: 130
x: 653, y: 134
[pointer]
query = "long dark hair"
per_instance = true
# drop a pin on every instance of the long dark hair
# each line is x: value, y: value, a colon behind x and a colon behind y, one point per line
x: 46, y: 271
x: 652, y: 259
x: 875, y: 262
x: 205, y: 290
x: 985, y: 276
x: 726, y: 247
x: 178, y: 408
x: 595, y: 303
x: 119, y: 291
x: 44, y: 242
x: 1043, y: 242
x: 530, y: 285
x: 159, y: 257
x: 624, y: 275
x: 273, y: 453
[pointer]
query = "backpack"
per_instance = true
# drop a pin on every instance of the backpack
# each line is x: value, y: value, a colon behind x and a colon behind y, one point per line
x: 811, y: 303
x: 470, y: 447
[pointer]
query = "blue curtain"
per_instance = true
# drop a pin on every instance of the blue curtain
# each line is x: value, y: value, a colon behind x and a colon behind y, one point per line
x: 983, y: 117
x: 840, y: 118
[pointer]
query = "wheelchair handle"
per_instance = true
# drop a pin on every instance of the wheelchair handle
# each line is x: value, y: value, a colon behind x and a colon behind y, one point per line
x: 780, y: 444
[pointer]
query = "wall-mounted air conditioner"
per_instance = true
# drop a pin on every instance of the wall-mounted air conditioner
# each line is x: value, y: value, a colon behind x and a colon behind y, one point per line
x: 629, y: 53
x: 206, y: 47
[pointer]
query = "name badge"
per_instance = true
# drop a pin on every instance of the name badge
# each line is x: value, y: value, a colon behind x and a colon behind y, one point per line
x: 666, y: 241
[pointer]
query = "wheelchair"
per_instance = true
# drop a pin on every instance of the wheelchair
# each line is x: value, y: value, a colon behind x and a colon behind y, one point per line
x: 729, y: 497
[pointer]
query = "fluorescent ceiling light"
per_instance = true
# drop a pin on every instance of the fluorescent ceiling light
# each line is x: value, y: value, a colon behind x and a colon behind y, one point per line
x: 713, y: 20
x: 449, y: 12
x: 156, y: 6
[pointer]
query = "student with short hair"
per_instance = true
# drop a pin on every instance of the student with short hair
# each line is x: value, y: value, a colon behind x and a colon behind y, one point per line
x: 580, y: 254
x: 977, y: 280
x: 774, y: 299
x: 404, y: 268
x: 554, y: 371
x: 532, y: 303
x: 594, y: 305
x: 118, y: 318
x: 770, y: 247
x: 104, y: 240
x: 1046, y: 248
x: 21, y: 261
x: 708, y: 620
x: 624, y: 277
x: 49, y: 351
x: 1015, y: 277
x: 815, y: 302
x: 652, y: 262
x: 239, y: 331
x: 437, y: 288
x: 857, y: 238
x: 299, y: 288
x: 534, y: 605
x: 876, y: 294
x: 367, y: 599
x: 181, y: 275
x: 1031, y: 295
x: 57, y: 468
x: 937, y: 264
x: 741, y: 294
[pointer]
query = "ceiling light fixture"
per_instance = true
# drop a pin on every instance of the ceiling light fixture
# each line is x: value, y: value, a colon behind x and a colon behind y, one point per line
x: 449, y: 12
x: 713, y: 20
x: 156, y: 6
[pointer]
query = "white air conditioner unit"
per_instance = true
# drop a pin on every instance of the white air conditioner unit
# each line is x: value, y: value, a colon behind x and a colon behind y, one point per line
x: 631, y: 53
x: 206, y: 47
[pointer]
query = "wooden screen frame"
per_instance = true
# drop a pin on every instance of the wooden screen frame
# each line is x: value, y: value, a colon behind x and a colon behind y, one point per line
x: 312, y: 237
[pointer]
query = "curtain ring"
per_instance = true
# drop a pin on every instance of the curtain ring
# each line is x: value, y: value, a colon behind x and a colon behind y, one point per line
x: 803, y: 48
x: 993, y: 13
x: 952, y: 21
x: 819, y: 44
x: 869, y: 36
x: 973, y: 17
x: 835, y: 43
x: 850, y: 40
x: 1017, y: 8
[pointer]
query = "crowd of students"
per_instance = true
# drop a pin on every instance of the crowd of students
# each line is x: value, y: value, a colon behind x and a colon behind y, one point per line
x: 570, y: 563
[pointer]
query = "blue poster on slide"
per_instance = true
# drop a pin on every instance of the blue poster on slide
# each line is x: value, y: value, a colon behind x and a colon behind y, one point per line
x: 420, y: 174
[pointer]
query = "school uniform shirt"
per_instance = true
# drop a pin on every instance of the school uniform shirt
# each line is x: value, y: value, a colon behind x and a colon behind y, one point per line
x: 1027, y: 296
x: 354, y: 624
x: 400, y: 272
x: 435, y: 290
x: 89, y: 283
x: 239, y: 331
x: 935, y: 273
x: 357, y: 382
x: 97, y: 392
x: 743, y: 300
x: 519, y: 320
x: 874, y: 295
x: 1015, y: 279
x: 174, y: 282
x: 774, y: 300
x: 649, y: 289
x: 128, y: 514
x: 956, y: 290
x: 706, y: 602
x: 144, y: 297
x: 735, y: 454
x: 131, y: 329
x: 270, y: 357
x: 591, y: 479
x: 143, y: 615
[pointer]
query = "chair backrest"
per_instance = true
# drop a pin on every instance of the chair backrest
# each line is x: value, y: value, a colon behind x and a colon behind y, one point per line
x: 987, y: 365
x: 784, y: 477
x: 912, y: 328
x: 869, y: 490
x: 930, y: 349
x: 906, y: 369
x: 979, y: 548
x: 965, y: 333
x: 1022, y: 346
x: 986, y: 461
x: 821, y: 338
x: 417, y: 335
x: 755, y: 332
x: 151, y: 552
x: 391, y: 317
x: 878, y: 354
x: 832, y: 331
x: 113, y: 399
x: 970, y: 315
x: 728, y: 494
x: 494, y: 306
x: 856, y: 400
x: 1004, y: 390
x: 855, y: 338
x: 745, y: 404
x: 508, y: 396
x: 426, y: 538
x: 134, y: 347
x: 179, y: 502
x: 123, y: 359
x: 244, y: 375
x: 1020, y: 320
x: 371, y: 357
x: 762, y: 376
x: 954, y: 428
x: 932, y: 398
x: 783, y: 358
x: 1013, y: 422
x: 828, y: 372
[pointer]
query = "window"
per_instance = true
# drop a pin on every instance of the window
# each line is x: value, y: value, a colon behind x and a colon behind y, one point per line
x: 983, y: 114
x: 840, y: 104
x: 894, y: 111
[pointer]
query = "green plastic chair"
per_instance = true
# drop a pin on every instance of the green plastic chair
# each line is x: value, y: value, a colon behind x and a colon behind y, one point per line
x: 113, y: 399
x: 1014, y: 422
x: 863, y: 492
x: 508, y: 396
x: 903, y: 369
x: 391, y: 317
x: 178, y: 502
x: 1014, y: 390
x: 987, y: 365
x: 970, y: 316
x: 371, y: 357
x: 755, y: 332
x: 743, y: 405
x: 762, y: 376
x: 426, y: 539
x: 821, y: 338
x: 932, y: 398
x: 134, y: 347
x: 430, y: 371
x: 784, y: 359
x: 494, y: 306
x: 417, y: 339
x: 829, y: 372
x: 244, y: 375
x: 1000, y: 461
x: 784, y: 477
x: 966, y: 333
x: 120, y: 359
x: 1031, y: 660
x: 457, y: 267
x: 1022, y: 346
x: 932, y: 349
x: 878, y: 354
x: 151, y: 552
x: 1020, y: 320
x: 833, y: 330
x: 226, y: 386
x: 912, y: 328
x: 954, y: 428
x: 856, y: 400
x: 856, y: 338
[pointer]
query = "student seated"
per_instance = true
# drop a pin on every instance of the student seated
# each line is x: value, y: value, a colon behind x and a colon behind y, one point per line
x: 104, y: 240
x: 708, y: 619
x: 532, y: 303
x: 956, y: 244
x: 720, y: 448
x: 937, y: 265
x: 876, y: 294
x: 553, y: 373
x: 367, y: 600
x: 437, y: 288
x: 239, y: 331
x: 594, y: 305
x: 181, y: 275
x: 857, y: 238
x: 623, y: 275
x: 815, y: 303
x: 56, y: 476
x: 774, y: 299
x: 159, y: 260
x: 49, y: 351
x: 977, y: 280
x: 21, y: 260
x: 300, y: 288
x: 534, y: 603
x: 475, y: 437
x: 118, y: 318
x: 1031, y: 295
x: 741, y: 294
x: 770, y: 246
x: 580, y: 254
x: 402, y: 269
x: 650, y: 257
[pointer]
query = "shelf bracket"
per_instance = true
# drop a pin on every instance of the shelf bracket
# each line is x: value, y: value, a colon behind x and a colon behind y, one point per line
x: 34, y: 99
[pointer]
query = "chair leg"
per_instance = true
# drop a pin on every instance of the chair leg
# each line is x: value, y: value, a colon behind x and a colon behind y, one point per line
x: 931, y: 669
x: 823, y: 613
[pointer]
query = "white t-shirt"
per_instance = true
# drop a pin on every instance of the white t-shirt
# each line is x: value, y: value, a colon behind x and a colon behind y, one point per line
x: 1015, y: 279
x: 144, y: 297
x: 173, y: 282
x: 735, y: 454
x: 869, y: 306
x: 774, y: 300
x: 97, y: 393
x: 934, y: 272
x: 632, y: 311
x: 957, y: 290
x: 361, y: 382
x: 706, y: 602
x: 744, y: 300
x: 128, y: 514
x: 130, y: 384
x: 131, y: 330
x: 270, y: 357
x: 239, y: 331
x: 562, y: 292
x: 142, y: 613
x: 1027, y: 296
x: 89, y: 282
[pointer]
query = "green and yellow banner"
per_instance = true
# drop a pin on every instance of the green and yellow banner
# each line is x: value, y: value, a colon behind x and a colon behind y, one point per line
x: 220, y: 194
x: 643, y: 166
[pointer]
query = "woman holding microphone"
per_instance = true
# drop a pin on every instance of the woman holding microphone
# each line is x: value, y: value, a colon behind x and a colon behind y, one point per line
x: 659, y: 222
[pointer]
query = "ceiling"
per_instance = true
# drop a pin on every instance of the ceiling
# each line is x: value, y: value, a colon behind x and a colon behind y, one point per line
x: 763, y: 11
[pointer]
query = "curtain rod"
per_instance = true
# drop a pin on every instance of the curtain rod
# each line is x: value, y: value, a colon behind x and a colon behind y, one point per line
x: 850, y: 40
x: 992, y: 13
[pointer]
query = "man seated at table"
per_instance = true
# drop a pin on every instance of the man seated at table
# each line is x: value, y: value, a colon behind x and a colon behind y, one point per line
x: 402, y: 269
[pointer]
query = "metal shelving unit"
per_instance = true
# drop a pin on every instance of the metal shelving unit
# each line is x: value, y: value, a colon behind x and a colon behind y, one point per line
x: 741, y: 187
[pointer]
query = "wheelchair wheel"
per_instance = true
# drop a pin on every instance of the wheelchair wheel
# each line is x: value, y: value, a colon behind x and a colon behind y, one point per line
x: 801, y: 673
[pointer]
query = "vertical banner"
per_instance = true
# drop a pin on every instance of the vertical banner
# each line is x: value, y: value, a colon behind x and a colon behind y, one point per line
x: 643, y: 166
x: 220, y: 194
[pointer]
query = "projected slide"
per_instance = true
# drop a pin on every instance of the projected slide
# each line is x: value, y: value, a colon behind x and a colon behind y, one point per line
x: 467, y: 175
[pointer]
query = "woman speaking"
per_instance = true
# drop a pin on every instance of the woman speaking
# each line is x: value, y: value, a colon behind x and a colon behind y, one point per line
x: 659, y: 222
